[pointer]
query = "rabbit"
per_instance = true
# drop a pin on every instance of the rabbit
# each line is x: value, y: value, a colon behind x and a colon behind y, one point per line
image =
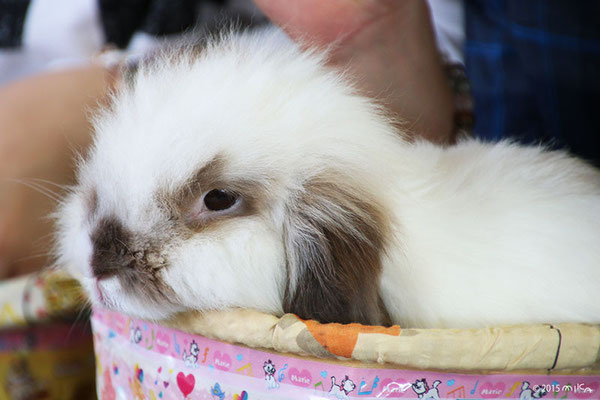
x: 249, y: 174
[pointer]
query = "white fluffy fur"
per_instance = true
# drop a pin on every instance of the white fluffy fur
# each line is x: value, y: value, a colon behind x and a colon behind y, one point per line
x: 483, y: 234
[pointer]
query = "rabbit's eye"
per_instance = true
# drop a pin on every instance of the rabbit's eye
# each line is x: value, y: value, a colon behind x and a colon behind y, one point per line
x: 214, y: 204
x: 218, y: 200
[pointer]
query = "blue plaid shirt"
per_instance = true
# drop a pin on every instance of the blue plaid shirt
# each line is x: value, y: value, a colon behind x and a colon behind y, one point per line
x: 534, y: 66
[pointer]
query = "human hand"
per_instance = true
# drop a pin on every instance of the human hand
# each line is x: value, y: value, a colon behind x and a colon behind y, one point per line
x: 389, y: 47
x: 43, y: 123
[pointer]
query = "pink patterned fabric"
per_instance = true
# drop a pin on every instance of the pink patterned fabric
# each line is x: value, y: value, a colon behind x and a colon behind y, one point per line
x: 141, y: 360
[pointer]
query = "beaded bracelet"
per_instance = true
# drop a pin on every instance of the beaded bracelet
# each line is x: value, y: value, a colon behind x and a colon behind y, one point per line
x: 464, y: 117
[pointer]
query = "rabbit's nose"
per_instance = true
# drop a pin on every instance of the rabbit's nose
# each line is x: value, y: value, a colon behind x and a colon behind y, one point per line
x: 111, y: 253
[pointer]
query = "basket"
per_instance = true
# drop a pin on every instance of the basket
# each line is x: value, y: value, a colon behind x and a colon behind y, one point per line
x: 44, y: 352
x: 247, y: 355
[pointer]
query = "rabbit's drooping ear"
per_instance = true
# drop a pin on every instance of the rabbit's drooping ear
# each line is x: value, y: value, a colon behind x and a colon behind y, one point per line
x: 335, y: 237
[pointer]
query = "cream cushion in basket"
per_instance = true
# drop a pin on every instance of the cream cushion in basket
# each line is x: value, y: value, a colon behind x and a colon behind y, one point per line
x: 529, y: 347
